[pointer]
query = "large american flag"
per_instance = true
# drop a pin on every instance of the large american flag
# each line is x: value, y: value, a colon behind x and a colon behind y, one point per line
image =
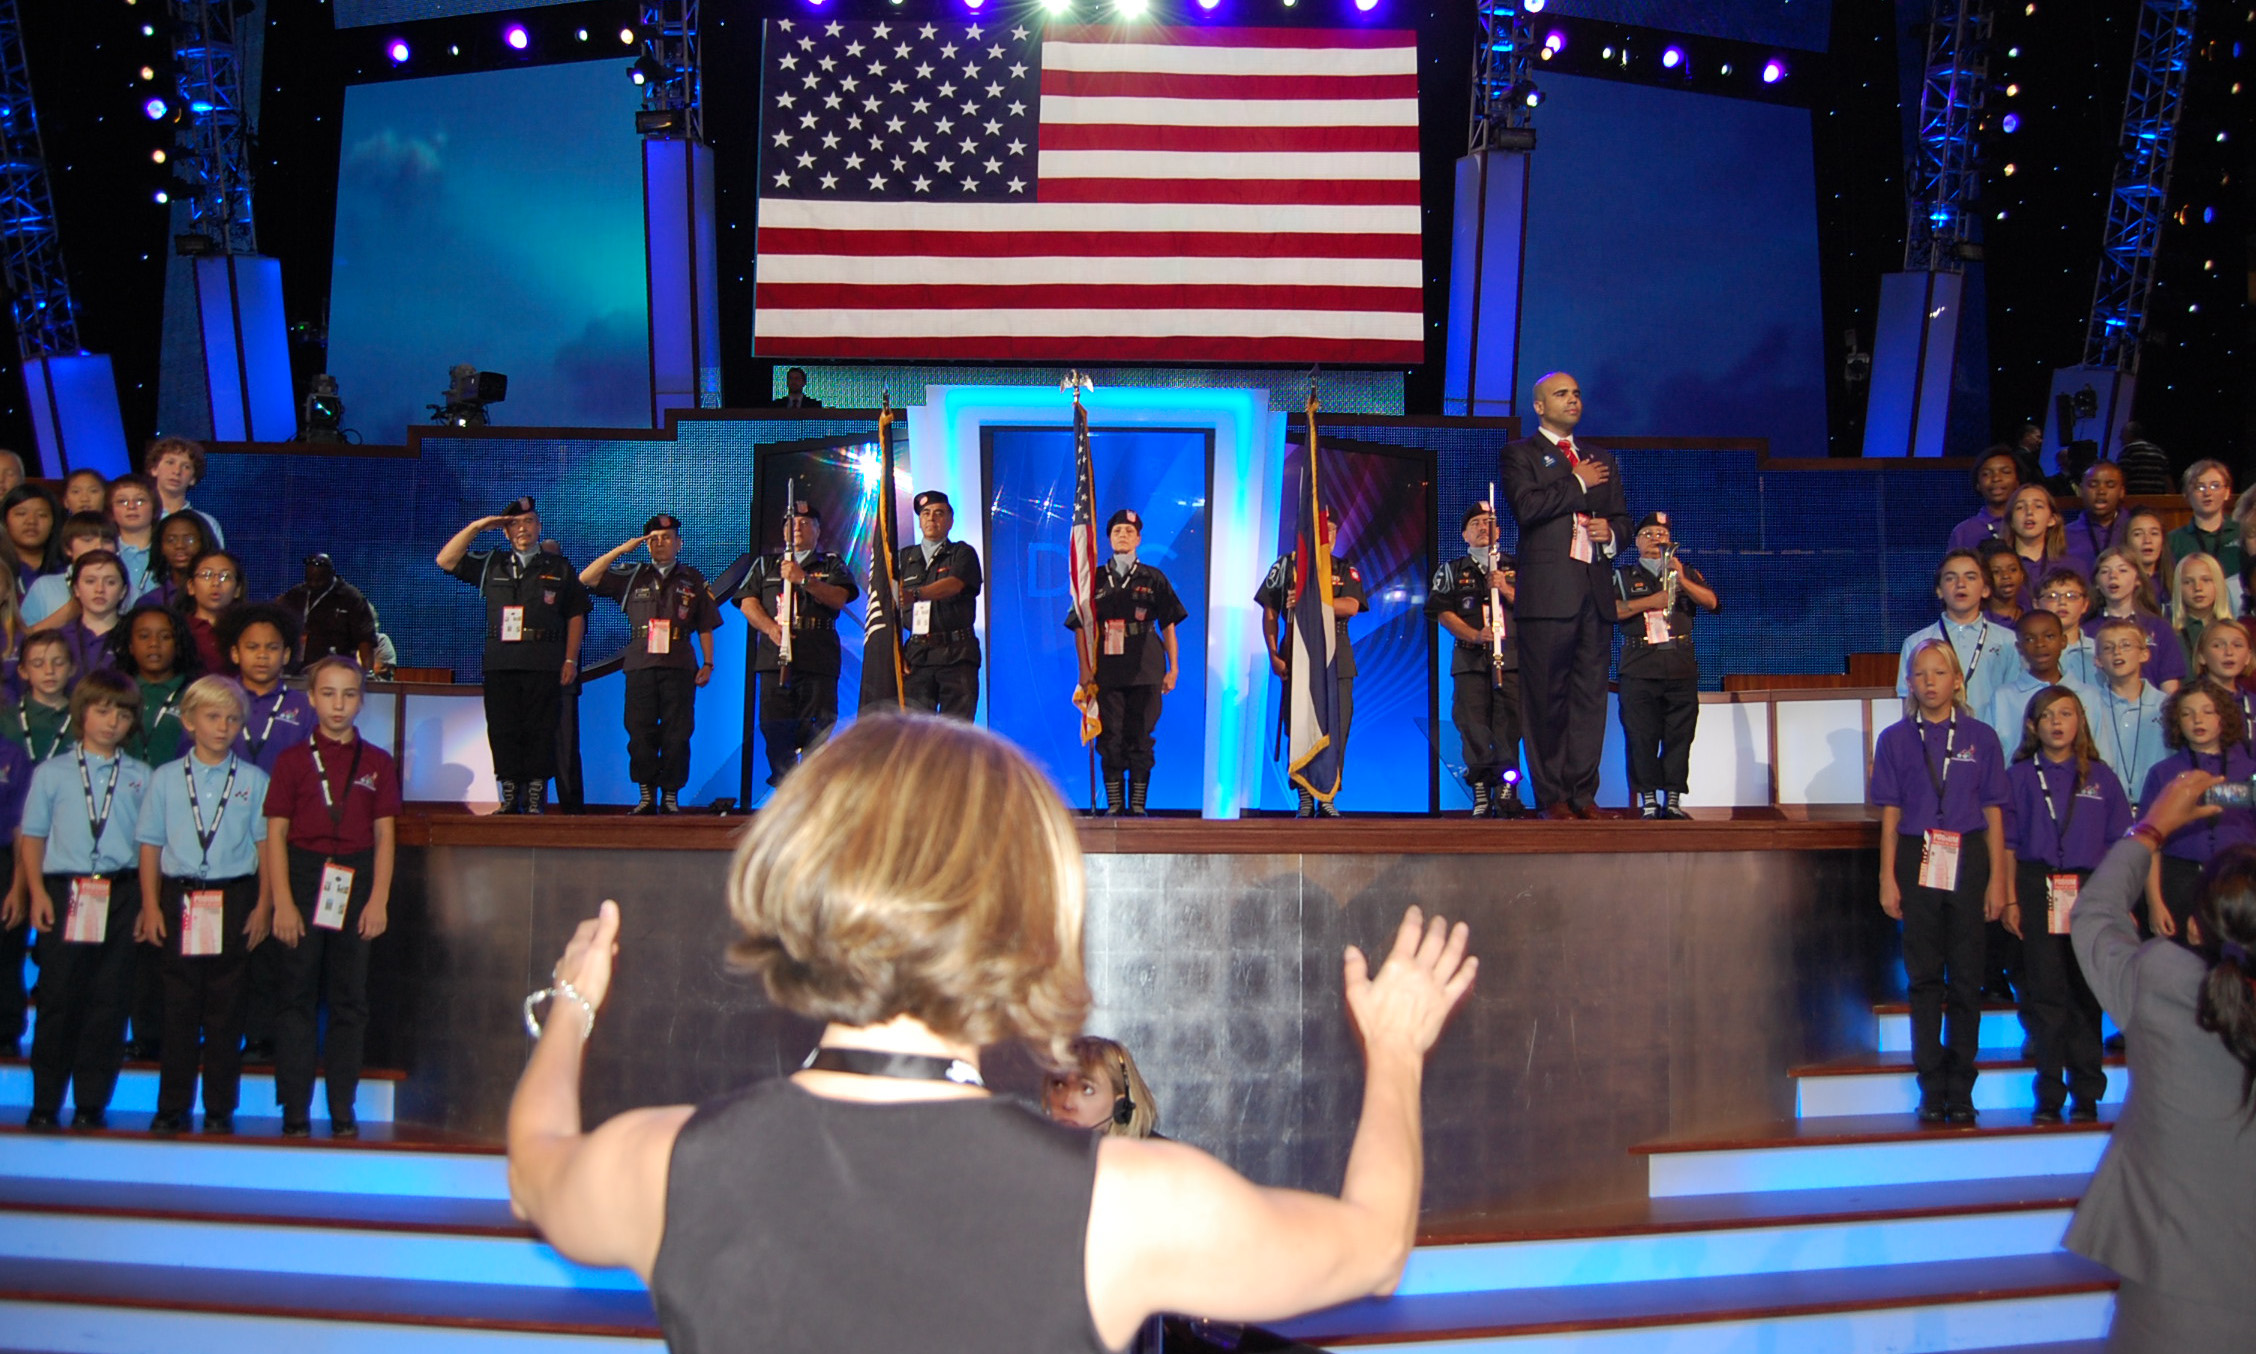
x: 1013, y: 191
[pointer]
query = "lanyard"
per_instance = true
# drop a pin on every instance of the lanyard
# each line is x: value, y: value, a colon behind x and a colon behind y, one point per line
x: 1981, y: 646
x: 1950, y: 744
x: 204, y: 839
x: 23, y: 721
x: 273, y: 711
x: 2060, y: 825
x: 321, y: 774
x: 97, y: 821
x: 2137, y: 710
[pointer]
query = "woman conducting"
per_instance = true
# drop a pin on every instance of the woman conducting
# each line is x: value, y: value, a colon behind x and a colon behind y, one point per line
x: 2172, y: 1208
x: 881, y: 1198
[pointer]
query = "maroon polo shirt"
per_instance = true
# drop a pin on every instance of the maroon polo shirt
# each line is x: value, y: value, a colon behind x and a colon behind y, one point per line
x: 294, y: 792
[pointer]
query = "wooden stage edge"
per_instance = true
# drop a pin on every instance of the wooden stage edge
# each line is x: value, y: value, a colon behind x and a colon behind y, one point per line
x: 1818, y: 828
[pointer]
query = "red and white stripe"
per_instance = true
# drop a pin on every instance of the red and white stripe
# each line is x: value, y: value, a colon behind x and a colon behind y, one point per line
x: 1229, y: 194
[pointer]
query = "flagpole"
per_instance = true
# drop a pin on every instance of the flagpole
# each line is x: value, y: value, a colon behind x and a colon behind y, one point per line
x: 888, y: 541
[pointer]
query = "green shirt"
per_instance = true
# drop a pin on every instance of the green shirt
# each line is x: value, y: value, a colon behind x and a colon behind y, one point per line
x: 2222, y: 545
x: 161, y: 738
x: 40, y: 730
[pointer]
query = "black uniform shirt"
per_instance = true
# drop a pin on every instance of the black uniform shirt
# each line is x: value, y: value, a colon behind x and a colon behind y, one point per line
x: 1141, y: 605
x: 337, y: 620
x: 814, y: 639
x: 1275, y: 594
x: 948, y: 640
x: 1460, y: 588
x: 1641, y: 657
x: 677, y: 596
x: 546, y: 586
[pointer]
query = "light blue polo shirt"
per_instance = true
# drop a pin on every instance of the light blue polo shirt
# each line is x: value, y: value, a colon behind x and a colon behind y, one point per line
x: 56, y: 811
x: 168, y: 818
x: 45, y: 597
x: 2128, y: 734
x: 1986, y: 654
x: 139, y: 582
x: 2011, y: 703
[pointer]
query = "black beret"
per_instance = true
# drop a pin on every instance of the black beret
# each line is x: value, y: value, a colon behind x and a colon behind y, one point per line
x: 930, y: 497
x: 1652, y: 519
x: 1476, y: 510
x: 664, y: 521
x: 518, y: 507
x: 1127, y: 515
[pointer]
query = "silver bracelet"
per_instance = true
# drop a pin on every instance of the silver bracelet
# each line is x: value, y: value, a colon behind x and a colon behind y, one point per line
x: 568, y: 992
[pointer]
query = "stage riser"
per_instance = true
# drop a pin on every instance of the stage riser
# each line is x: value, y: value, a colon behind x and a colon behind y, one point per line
x: 301, y: 1250
x: 1621, y: 997
x: 69, y: 1328
x: 137, y: 1094
x: 1722, y: 1252
x: 361, y: 1170
x: 1947, y: 1156
x: 2000, y: 1029
x: 1898, y: 1093
x: 1933, y: 1329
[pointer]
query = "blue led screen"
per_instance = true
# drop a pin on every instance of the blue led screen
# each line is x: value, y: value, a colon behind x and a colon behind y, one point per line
x: 361, y: 13
x: 1672, y: 264
x: 493, y: 219
x: 1031, y: 669
x: 1382, y: 499
x: 1805, y: 24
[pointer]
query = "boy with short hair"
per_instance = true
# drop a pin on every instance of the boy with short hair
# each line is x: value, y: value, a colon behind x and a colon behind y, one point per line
x: 2208, y: 488
x: 47, y: 602
x: 259, y: 640
x: 2126, y: 720
x: 1984, y: 648
x: 2066, y: 593
x: 2040, y: 639
x: 77, y: 857
x: 205, y: 902
x: 133, y: 511
x: 174, y: 465
x: 40, y: 723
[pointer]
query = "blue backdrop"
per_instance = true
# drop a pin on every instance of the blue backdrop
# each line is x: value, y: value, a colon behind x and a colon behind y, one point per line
x: 494, y: 219
x: 1160, y: 472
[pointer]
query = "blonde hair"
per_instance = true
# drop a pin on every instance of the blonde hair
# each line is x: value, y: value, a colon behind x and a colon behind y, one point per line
x: 2219, y: 609
x: 2211, y: 631
x: 1094, y: 1054
x: 205, y: 692
x: 339, y: 661
x: 921, y: 867
x: 1957, y: 672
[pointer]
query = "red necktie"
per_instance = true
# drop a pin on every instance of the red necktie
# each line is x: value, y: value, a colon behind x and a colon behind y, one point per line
x: 1566, y: 444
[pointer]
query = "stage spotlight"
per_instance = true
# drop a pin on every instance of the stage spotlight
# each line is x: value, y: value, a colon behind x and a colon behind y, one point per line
x: 163, y: 197
x: 1057, y: 6
x: 516, y: 37
x: 646, y: 70
x: 2012, y: 91
x: 1671, y: 58
x: 626, y: 35
x: 583, y: 35
x: 148, y: 72
x: 1526, y: 93
x: 1726, y: 68
x: 1774, y: 70
x: 1366, y: 6
x: 973, y: 5
x: 1208, y: 5
x: 157, y: 157
x: 156, y: 109
x: 1554, y: 41
x: 1130, y: 9
x: 1533, y: 6
x: 397, y: 51
x: 324, y: 412
x: 2011, y: 123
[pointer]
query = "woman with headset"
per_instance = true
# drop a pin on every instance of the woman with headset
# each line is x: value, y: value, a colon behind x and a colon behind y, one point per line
x: 1106, y: 1094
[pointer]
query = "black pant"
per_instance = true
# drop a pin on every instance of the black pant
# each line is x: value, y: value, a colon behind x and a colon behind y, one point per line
x: 951, y: 690
x: 1659, y: 715
x: 1129, y: 714
x: 203, y: 999
x: 145, y: 1009
x: 1942, y: 949
x: 2056, y: 1003
x: 323, y: 963
x: 79, y: 1041
x: 1563, y: 667
x: 1487, y: 716
x: 661, y: 715
x: 522, y: 710
x: 15, y: 944
x: 796, y: 718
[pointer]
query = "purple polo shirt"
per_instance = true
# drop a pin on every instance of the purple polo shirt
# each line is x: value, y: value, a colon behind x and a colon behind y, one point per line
x: 2197, y: 842
x: 279, y: 720
x: 1908, y: 760
x: 2086, y: 539
x: 2045, y: 823
x: 1982, y: 526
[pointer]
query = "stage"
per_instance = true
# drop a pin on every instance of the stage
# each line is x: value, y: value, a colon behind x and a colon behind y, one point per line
x: 1639, y: 979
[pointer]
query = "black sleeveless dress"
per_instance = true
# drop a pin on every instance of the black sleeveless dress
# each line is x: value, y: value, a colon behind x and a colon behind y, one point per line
x: 799, y: 1223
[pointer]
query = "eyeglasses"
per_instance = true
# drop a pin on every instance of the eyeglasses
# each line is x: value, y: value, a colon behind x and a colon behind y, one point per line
x: 2210, y: 487
x: 2060, y: 595
x: 215, y: 576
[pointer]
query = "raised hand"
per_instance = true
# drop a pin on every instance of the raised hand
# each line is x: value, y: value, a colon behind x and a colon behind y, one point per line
x: 586, y: 964
x: 1403, y: 1008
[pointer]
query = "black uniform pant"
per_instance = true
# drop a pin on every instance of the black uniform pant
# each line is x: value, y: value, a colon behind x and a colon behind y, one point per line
x: 2056, y: 1003
x: 1659, y: 716
x: 661, y: 715
x: 1942, y: 950
x: 79, y: 1042
x: 951, y: 690
x: 1563, y: 667
x: 522, y: 710
x: 1487, y: 715
x: 324, y: 963
x: 15, y: 945
x: 1129, y: 714
x: 203, y: 999
x: 795, y: 718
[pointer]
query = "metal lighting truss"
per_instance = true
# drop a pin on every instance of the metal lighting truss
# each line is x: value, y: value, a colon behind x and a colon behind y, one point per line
x: 2141, y: 192
x: 1500, y: 75
x: 213, y: 162
x: 1946, y: 172
x: 670, y: 39
x: 31, y: 255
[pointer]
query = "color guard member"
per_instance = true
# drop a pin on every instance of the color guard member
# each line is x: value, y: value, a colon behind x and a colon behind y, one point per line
x: 1277, y: 599
x: 799, y: 708
x: 1656, y: 598
x: 667, y: 603
x: 1484, y: 667
x: 1137, y: 612
x: 939, y: 580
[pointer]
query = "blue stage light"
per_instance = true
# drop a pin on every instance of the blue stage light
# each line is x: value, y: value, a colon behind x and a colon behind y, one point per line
x: 2012, y: 123
x: 1208, y: 5
x: 1774, y: 70
x: 1533, y: 6
x: 1555, y: 41
x: 1366, y: 5
x: 156, y: 109
x: 974, y: 5
x: 516, y: 36
x: 397, y: 51
x: 1671, y: 58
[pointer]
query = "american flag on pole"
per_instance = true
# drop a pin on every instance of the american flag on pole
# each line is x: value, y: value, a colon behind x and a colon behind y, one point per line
x: 1081, y: 564
x: 1312, y: 693
x: 1009, y: 190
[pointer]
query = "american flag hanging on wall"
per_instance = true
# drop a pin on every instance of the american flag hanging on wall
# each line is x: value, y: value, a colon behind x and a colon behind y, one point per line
x: 1006, y: 190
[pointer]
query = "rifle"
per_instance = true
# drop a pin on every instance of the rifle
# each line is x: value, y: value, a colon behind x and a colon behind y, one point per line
x: 1495, y: 601
x: 787, y: 610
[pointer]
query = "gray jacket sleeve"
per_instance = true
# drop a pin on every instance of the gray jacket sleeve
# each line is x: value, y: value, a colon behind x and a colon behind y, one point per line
x: 2105, y: 938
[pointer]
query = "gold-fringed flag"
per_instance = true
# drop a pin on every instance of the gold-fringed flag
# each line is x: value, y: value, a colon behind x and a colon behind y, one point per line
x: 1081, y: 561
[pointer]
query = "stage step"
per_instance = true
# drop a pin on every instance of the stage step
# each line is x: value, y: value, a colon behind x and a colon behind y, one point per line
x: 2001, y: 1026
x: 1711, y: 1236
x: 136, y: 1091
x: 1869, y: 1150
x: 1884, y: 1083
x: 1868, y: 1309
x: 387, y: 1159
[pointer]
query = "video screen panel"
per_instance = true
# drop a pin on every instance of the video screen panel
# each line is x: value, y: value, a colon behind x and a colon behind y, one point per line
x: 1031, y: 667
x: 493, y: 219
x: 1803, y: 24
x: 363, y: 13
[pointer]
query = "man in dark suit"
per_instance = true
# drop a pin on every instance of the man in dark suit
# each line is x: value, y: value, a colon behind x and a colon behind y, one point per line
x: 795, y: 394
x: 1568, y: 501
